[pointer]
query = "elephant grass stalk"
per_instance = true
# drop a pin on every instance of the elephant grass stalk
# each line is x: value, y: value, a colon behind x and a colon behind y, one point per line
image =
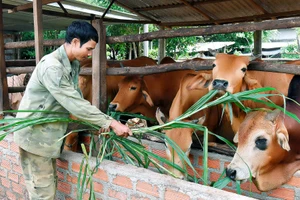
x: 134, y: 152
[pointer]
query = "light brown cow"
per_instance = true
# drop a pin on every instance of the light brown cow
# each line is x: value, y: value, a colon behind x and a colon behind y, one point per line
x: 183, y: 100
x: 268, y: 145
x: 85, y: 82
x: 230, y: 75
x: 143, y: 95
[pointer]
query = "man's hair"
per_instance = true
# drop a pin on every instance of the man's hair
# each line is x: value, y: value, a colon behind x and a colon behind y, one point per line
x: 81, y: 30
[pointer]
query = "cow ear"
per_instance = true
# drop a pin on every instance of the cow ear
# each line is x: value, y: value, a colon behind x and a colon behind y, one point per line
x: 200, y: 81
x: 236, y: 138
x: 160, y: 117
x: 250, y: 83
x: 147, y: 98
x: 282, y: 135
x: 283, y: 141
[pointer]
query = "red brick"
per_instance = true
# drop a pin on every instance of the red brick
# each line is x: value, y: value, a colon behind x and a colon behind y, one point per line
x: 62, y: 163
x: 101, y: 174
x: 22, y: 181
x: 17, y: 188
x: 294, y: 181
x: 6, y: 164
x: 250, y: 187
x: 211, y: 163
x: 98, y: 187
x: 147, y: 188
x: 3, y: 172
x: 60, y: 176
x: 76, y: 167
x: 175, y: 195
x: 17, y: 168
x: 123, y: 181
x: 14, y: 147
x: 214, y: 176
x: 64, y: 187
x: 4, y: 144
x: 13, y: 177
x: 283, y: 193
x: 10, y: 195
x: 161, y: 153
x: 5, y: 182
x: 117, y: 195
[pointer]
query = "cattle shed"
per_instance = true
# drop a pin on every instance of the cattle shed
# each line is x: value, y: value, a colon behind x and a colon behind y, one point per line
x: 116, y: 180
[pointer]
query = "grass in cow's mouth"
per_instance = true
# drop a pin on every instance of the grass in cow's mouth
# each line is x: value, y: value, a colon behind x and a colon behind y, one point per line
x: 133, y: 152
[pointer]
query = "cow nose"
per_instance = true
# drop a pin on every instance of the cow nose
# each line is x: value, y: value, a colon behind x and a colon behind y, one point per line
x: 112, y: 107
x: 231, y: 173
x: 220, y: 84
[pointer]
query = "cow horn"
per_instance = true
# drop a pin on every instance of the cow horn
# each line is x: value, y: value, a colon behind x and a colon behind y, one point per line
x: 160, y: 117
x: 272, y: 116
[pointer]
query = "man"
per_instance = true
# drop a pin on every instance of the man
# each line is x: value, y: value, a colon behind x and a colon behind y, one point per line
x: 53, y: 86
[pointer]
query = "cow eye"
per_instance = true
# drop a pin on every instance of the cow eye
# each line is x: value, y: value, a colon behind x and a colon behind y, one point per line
x: 213, y: 65
x: 261, y: 143
x: 244, y: 69
x: 132, y: 88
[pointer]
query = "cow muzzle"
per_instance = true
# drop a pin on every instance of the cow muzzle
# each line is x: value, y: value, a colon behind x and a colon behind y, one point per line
x: 112, y: 107
x: 218, y: 84
x: 231, y: 173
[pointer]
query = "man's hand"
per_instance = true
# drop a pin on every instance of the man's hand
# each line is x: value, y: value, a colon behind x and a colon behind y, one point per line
x: 120, y: 129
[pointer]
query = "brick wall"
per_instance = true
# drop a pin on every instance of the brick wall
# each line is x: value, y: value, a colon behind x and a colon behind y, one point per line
x: 115, y: 180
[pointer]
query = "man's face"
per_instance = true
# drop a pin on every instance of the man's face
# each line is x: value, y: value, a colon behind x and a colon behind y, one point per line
x: 83, y: 52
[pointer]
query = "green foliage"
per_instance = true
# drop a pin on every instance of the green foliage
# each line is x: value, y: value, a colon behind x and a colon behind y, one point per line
x: 29, y: 53
x: 291, y: 51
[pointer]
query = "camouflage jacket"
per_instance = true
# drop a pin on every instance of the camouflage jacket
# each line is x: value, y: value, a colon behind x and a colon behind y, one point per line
x: 53, y: 86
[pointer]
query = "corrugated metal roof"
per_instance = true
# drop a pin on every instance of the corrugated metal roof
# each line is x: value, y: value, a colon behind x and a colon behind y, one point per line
x: 210, y: 12
x: 54, y: 16
x: 163, y: 12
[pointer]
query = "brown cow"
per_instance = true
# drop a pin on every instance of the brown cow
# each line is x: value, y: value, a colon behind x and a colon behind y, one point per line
x: 230, y: 75
x: 167, y: 60
x: 143, y: 95
x: 85, y: 85
x: 16, y: 81
x: 183, y: 100
x: 268, y: 145
x: 85, y: 82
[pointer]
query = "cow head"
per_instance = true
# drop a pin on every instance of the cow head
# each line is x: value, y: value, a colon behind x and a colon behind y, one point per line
x: 228, y: 75
x: 182, y: 137
x: 228, y: 72
x: 262, y: 147
x: 132, y: 97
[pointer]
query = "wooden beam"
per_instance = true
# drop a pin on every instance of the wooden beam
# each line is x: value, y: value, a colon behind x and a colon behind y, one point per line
x: 30, y: 5
x: 271, y: 66
x: 4, y: 102
x: 62, y: 7
x: 31, y: 43
x: 99, y: 68
x: 38, y: 29
x: 229, y: 28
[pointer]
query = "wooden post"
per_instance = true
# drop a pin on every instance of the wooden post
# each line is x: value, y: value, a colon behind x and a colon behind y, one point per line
x: 161, y: 47
x: 99, y: 68
x: 38, y: 29
x: 257, y: 43
x: 4, y: 102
